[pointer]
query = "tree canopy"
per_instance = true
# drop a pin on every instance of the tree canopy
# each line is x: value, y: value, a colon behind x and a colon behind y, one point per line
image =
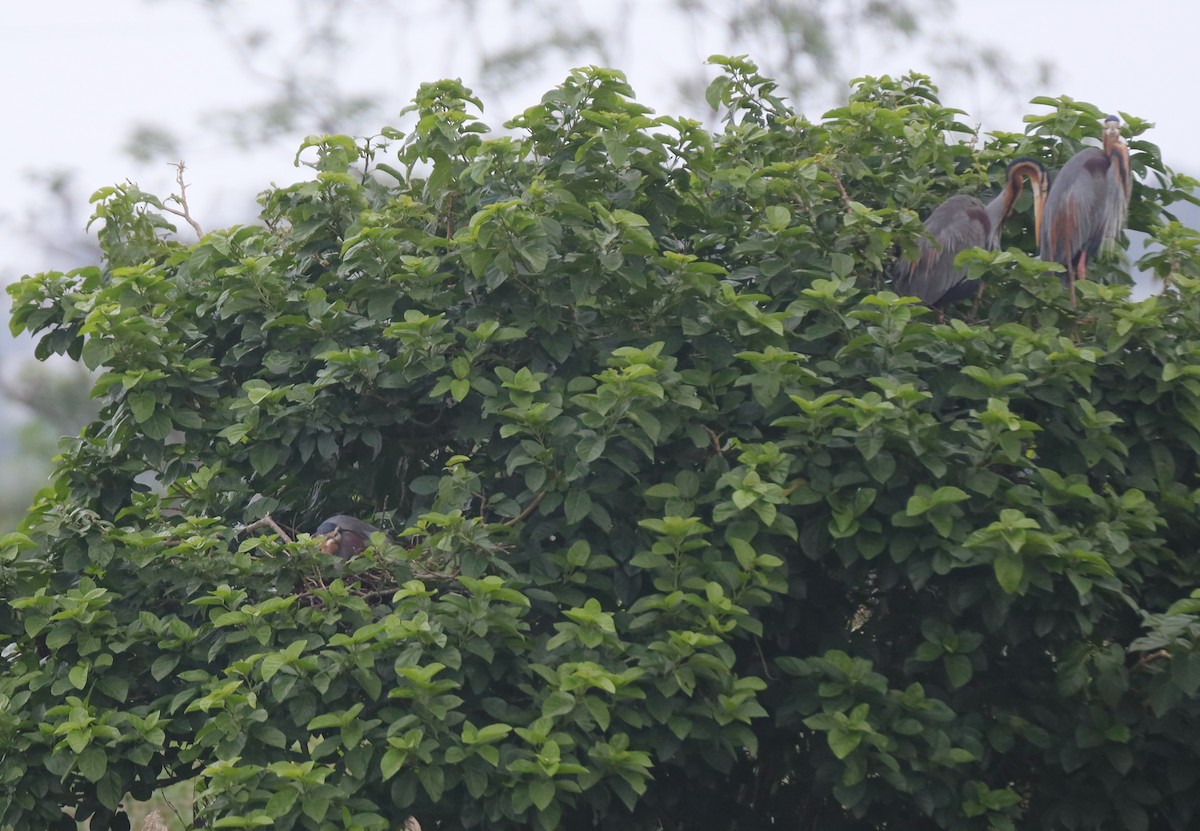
x: 691, y: 521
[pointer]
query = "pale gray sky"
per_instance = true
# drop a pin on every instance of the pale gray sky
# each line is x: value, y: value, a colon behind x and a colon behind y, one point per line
x: 79, y: 76
x: 1140, y: 58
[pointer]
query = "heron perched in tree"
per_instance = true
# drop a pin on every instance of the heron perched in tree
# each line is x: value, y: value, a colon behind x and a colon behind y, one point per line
x: 963, y: 222
x: 344, y: 535
x: 1087, y: 204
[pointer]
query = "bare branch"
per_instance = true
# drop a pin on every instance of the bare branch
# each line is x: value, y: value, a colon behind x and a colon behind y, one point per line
x: 838, y: 182
x: 182, y: 200
x: 266, y: 522
x: 1150, y: 657
x: 537, y: 500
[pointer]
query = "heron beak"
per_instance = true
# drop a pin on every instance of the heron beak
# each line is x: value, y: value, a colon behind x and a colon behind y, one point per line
x: 331, y: 543
x: 1040, y: 187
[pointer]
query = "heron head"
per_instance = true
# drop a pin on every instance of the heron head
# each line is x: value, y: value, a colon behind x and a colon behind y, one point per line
x: 344, y: 536
x: 1112, y: 131
x: 1039, y: 183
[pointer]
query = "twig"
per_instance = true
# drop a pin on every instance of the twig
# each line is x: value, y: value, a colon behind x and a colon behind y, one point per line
x: 448, y: 213
x: 175, y: 811
x: 838, y: 182
x: 763, y: 659
x: 1150, y: 657
x: 537, y: 500
x: 435, y: 576
x: 182, y: 200
x: 975, y: 136
x: 268, y: 522
x: 716, y: 439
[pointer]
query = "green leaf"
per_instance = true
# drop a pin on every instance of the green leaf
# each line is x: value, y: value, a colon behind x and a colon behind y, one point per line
x: 1009, y: 569
x: 958, y: 669
x: 590, y: 447
x: 576, y: 505
x: 115, y: 687
x: 778, y: 217
x: 142, y: 405
x: 843, y: 742
x: 236, y: 433
x: 163, y: 666
x: 433, y: 779
x: 1185, y: 672
x: 948, y: 495
x: 93, y: 763
x: 476, y: 781
x: 541, y: 793
x: 391, y: 762
x: 716, y: 91
x: 314, y: 806
x: 493, y: 732
x: 263, y: 458
x: 558, y: 703
x: 918, y: 505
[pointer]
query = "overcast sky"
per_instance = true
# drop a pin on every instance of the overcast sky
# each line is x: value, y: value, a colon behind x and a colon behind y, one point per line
x: 80, y: 73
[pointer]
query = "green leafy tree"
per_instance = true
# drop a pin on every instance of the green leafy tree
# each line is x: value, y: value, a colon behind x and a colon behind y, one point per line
x: 303, y: 76
x: 691, y: 522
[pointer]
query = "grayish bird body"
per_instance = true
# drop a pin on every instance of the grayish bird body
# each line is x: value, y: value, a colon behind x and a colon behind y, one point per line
x: 345, y: 535
x: 1087, y: 205
x: 963, y: 222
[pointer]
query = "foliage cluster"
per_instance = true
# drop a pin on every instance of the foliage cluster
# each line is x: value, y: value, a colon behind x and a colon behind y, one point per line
x: 693, y: 523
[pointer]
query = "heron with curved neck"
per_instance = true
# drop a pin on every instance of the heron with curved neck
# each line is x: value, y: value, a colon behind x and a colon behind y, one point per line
x: 963, y: 222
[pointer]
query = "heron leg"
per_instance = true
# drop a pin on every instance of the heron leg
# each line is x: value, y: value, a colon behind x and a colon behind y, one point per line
x: 1078, y: 273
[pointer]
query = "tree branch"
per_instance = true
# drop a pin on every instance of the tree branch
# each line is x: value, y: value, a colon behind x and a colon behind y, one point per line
x: 182, y: 200
x: 267, y: 522
x: 529, y: 509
